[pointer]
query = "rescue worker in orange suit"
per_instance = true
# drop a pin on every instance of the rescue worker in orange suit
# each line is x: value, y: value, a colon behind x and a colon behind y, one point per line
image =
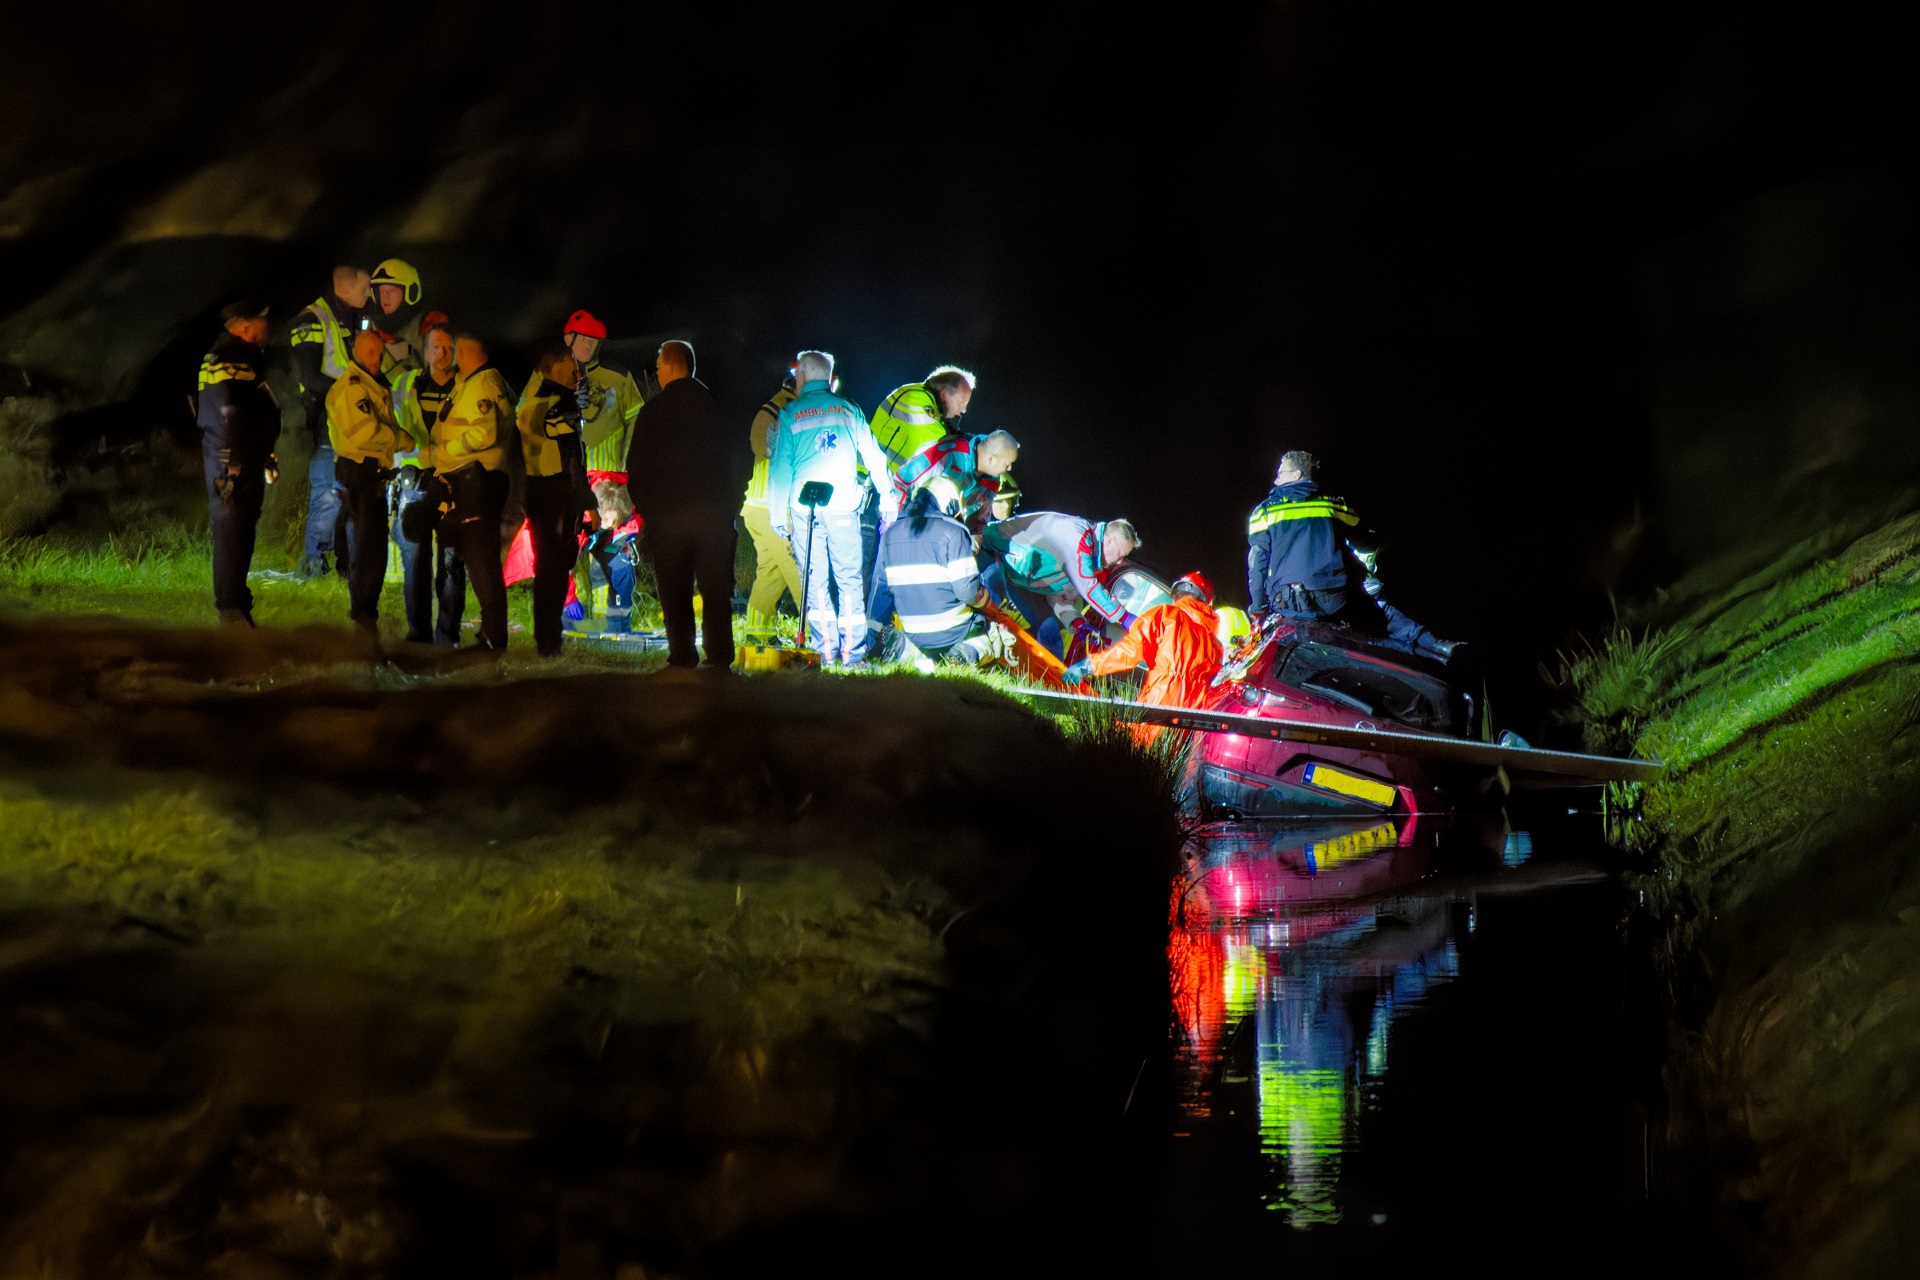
x: 557, y: 494
x: 1179, y: 644
x: 1304, y: 562
x: 468, y: 456
x: 239, y: 424
x: 364, y: 437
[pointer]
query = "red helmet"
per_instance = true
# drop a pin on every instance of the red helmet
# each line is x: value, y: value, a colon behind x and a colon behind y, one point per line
x: 583, y: 323
x: 1198, y: 584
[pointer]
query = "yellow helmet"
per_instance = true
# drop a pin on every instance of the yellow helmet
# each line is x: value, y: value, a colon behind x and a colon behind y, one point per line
x: 945, y: 494
x: 398, y: 271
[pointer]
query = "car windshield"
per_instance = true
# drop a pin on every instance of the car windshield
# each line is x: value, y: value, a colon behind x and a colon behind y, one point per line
x: 1138, y: 591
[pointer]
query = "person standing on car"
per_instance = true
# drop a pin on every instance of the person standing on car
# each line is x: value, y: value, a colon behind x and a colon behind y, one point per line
x: 1304, y: 552
x: 1178, y: 643
x: 239, y: 425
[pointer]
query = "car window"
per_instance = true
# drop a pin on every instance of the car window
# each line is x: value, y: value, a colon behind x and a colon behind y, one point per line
x: 1138, y: 591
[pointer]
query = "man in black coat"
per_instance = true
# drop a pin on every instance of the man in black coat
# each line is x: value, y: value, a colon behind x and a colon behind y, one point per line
x: 239, y: 425
x: 685, y: 474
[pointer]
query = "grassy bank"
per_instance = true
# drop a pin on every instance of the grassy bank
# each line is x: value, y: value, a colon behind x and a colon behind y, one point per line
x: 1786, y: 701
x: 308, y: 965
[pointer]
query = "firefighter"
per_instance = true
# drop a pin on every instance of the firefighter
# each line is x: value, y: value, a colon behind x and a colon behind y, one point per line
x: 1006, y: 497
x: 239, y: 425
x: 419, y: 394
x: 774, y: 569
x: 398, y: 317
x: 1178, y: 643
x: 819, y: 437
x: 1046, y: 564
x: 974, y: 464
x: 607, y: 396
x: 1304, y: 553
x: 468, y: 455
x: 927, y: 577
x: 557, y: 493
x: 322, y: 340
x: 918, y: 414
x: 364, y: 438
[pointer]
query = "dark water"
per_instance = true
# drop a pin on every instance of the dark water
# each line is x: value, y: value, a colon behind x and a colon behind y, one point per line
x: 1422, y: 1043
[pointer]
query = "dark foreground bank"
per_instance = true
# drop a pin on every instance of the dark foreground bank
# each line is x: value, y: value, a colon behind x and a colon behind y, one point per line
x: 312, y: 968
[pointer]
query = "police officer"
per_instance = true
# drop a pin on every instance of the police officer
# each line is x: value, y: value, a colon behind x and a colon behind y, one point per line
x: 364, y: 436
x: 926, y: 577
x: 821, y: 437
x: 322, y: 351
x: 1303, y: 562
x: 239, y: 424
x: 556, y: 495
x: 419, y: 394
x: 468, y: 455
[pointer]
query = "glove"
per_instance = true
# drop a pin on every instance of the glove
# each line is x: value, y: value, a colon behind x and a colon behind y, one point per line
x: 1076, y: 674
x: 223, y: 487
x: 1127, y: 620
x: 583, y: 395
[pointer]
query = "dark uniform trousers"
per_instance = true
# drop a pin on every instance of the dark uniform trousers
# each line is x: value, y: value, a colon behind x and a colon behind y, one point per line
x: 553, y: 505
x: 363, y: 517
x: 693, y: 546
x: 469, y: 537
x: 234, y: 518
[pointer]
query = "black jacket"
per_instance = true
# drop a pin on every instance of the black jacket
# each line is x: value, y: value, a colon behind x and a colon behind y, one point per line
x: 238, y: 416
x: 1300, y: 536
x: 681, y: 459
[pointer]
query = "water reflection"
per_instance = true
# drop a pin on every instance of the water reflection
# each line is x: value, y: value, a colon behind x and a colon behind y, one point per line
x: 1312, y: 939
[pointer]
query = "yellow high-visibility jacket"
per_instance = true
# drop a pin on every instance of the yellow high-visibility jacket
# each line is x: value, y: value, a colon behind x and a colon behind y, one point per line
x: 542, y: 425
x: 607, y: 425
x: 906, y: 422
x: 762, y: 423
x: 474, y: 425
x: 360, y: 421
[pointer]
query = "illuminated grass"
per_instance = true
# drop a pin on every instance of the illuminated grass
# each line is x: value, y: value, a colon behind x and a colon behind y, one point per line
x: 410, y: 902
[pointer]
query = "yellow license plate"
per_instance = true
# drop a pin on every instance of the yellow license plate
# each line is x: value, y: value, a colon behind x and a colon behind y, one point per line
x: 1366, y: 790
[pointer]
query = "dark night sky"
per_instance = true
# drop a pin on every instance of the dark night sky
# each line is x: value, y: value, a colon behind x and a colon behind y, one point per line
x: 1174, y: 241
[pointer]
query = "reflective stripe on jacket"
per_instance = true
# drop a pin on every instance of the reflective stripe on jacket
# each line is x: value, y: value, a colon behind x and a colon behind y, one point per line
x: 928, y: 579
x: 956, y: 457
x: 606, y: 427
x: 907, y: 422
x: 757, y: 435
x: 417, y: 401
x: 236, y: 411
x: 821, y: 436
x: 360, y: 421
x: 473, y: 427
x: 1297, y: 535
x: 542, y: 424
x: 318, y: 326
x: 1051, y: 554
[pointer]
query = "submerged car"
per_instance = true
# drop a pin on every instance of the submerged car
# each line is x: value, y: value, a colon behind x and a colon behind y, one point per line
x: 1308, y: 673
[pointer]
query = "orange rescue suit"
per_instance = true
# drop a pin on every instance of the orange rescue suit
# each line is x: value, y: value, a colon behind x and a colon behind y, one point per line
x: 1178, y: 643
